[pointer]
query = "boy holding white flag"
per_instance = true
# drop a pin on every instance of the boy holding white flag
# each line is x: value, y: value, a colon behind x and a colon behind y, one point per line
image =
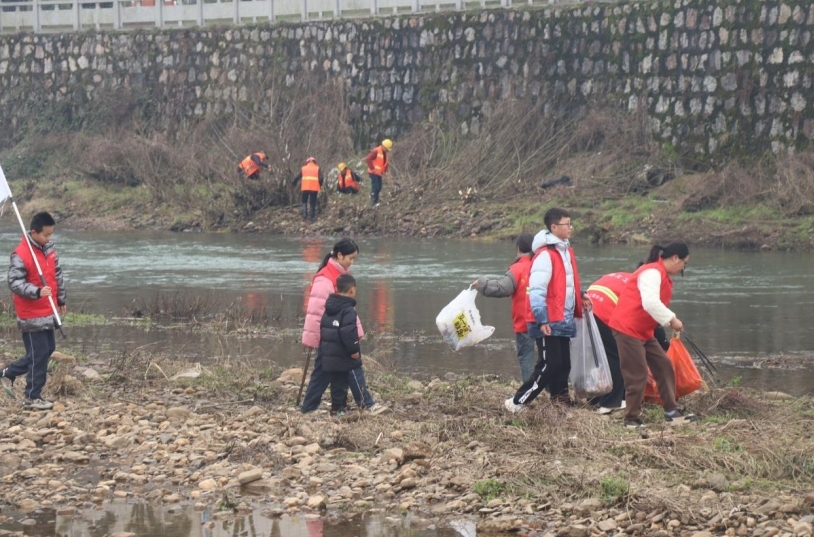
x: 35, y: 279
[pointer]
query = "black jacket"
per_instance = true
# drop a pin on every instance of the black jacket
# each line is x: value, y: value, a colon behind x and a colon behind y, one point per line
x: 338, y: 335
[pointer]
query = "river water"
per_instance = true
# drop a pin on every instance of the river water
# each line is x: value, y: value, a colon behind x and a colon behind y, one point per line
x: 751, y: 313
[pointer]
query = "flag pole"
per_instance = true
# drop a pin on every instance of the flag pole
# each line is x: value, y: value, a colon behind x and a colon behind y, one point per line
x: 5, y: 192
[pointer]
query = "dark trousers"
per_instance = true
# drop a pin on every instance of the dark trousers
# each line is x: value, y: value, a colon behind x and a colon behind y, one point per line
x: 614, y: 398
x: 636, y: 357
x: 375, y: 188
x: 321, y: 379
x: 309, y: 197
x: 552, y: 369
x: 34, y: 365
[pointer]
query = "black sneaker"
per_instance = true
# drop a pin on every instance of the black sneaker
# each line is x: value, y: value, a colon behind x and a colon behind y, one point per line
x: 636, y: 423
x: 680, y: 418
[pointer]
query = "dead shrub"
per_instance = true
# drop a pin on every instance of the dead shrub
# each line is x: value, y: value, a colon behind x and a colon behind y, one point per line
x: 793, y: 188
x: 196, y: 168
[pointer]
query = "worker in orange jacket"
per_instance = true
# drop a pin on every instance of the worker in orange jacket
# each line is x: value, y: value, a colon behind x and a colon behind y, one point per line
x: 378, y: 161
x: 311, y: 177
x: 252, y: 165
x: 347, y: 181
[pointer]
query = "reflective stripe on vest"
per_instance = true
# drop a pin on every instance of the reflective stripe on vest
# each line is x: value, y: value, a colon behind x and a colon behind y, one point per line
x: 605, y: 291
x: 310, y: 177
x: 604, y: 294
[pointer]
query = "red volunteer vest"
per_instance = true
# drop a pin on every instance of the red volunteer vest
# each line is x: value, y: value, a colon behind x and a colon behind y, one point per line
x: 629, y: 316
x: 330, y: 272
x: 520, y: 269
x: 604, y: 294
x: 310, y: 177
x: 32, y: 309
x: 555, y: 298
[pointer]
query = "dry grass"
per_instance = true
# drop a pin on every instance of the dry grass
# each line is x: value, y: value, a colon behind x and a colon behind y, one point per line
x: 550, y: 451
x: 175, y: 307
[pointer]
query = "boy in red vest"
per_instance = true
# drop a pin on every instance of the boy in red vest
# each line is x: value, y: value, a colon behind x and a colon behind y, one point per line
x: 515, y: 284
x: 554, y: 302
x: 35, y: 317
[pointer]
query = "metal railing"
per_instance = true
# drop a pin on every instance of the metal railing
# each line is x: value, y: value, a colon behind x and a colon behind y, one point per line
x: 42, y: 16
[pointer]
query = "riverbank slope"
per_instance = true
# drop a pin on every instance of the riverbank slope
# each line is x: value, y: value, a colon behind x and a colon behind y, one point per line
x: 621, y: 185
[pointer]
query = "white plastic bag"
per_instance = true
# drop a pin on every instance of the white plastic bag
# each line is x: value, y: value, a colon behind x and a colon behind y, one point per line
x: 459, y: 322
x: 590, y: 372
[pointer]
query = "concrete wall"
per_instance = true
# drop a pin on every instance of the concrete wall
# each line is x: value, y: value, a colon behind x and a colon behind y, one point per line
x: 712, y: 77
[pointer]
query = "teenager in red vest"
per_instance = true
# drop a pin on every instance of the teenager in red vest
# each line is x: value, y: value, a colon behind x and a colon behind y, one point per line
x: 554, y: 302
x: 35, y: 317
x: 604, y: 294
x: 515, y: 284
x: 336, y: 263
x: 311, y: 177
x: 378, y: 162
x: 644, y: 305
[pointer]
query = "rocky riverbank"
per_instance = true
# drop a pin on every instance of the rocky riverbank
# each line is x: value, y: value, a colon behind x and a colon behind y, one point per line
x: 147, y: 428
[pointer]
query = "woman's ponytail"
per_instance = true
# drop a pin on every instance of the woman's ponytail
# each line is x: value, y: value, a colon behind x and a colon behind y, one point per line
x: 345, y: 247
x: 674, y: 248
x: 654, y: 254
x: 325, y: 260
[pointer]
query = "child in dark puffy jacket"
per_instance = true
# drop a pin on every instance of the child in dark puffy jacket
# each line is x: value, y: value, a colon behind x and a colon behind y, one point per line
x: 339, y: 343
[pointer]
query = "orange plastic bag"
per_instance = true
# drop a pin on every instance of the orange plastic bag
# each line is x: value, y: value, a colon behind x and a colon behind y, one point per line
x: 688, y: 379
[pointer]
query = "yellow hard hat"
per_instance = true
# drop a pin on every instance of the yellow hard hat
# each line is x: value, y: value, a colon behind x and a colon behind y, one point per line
x: 342, y: 166
x: 387, y: 144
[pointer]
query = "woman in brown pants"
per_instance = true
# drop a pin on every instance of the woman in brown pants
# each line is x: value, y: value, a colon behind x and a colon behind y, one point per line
x: 642, y: 306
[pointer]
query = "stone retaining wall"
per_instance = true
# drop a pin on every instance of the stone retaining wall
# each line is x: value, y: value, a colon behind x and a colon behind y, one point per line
x: 712, y: 77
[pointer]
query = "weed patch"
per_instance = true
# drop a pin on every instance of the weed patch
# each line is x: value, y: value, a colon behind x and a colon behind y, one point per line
x: 489, y: 489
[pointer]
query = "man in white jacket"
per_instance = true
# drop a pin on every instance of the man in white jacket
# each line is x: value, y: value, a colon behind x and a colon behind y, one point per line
x: 554, y: 302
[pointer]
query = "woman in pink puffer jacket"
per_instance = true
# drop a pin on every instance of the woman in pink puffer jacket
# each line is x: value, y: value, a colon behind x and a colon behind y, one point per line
x: 336, y: 263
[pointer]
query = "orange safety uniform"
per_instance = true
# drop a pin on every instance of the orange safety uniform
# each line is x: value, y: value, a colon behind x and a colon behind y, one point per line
x: 378, y: 161
x: 249, y: 166
x: 346, y: 180
x: 310, y: 177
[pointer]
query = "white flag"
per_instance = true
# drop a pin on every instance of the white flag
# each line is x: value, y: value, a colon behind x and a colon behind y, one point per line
x: 5, y: 190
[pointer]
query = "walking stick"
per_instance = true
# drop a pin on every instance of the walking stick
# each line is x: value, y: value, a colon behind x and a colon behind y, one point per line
x: 304, y: 373
x: 5, y: 192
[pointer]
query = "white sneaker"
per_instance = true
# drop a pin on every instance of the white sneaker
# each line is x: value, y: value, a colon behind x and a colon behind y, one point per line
x: 608, y: 410
x: 511, y: 407
x: 38, y: 404
x: 377, y: 409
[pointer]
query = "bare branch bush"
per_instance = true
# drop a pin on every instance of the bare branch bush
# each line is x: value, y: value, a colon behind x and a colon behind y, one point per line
x: 521, y: 144
x: 793, y: 188
x: 197, y: 168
